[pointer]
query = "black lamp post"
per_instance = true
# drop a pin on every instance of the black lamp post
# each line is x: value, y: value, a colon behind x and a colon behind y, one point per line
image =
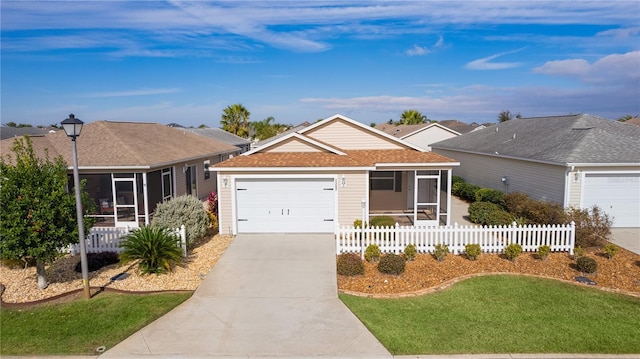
x: 72, y: 126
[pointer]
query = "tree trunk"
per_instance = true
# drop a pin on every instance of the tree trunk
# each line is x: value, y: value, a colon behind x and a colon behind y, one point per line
x: 42, y: 275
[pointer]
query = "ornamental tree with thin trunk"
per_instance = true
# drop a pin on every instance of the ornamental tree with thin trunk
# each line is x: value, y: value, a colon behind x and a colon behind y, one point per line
x: 38, y: 216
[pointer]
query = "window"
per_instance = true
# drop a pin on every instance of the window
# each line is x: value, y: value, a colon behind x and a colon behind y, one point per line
x: 207, y: 174
x: 167, y: 184
x: 192, y: 183
x: 385, y: 181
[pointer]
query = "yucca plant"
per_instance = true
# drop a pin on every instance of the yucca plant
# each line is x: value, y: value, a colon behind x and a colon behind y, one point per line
x: 156, y: 248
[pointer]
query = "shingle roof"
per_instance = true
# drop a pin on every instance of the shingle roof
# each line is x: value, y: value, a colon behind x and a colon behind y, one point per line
x: 219, y: 135
x: 401, y: 130
x: 353, y: 158
x: 10, y: 132
x: 559, y: 139
x: 458, y: 126
x: 128, y: 144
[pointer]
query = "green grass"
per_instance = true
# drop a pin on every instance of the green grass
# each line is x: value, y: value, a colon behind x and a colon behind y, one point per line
x: 504, y: 314
x: 79, y: 327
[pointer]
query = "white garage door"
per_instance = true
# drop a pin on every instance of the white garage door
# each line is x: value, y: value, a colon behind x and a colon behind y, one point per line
x: 285, y: 205
x: 616, y: 194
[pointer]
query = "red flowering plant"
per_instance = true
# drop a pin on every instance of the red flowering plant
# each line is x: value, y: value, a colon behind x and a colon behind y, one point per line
x: 212, y: 209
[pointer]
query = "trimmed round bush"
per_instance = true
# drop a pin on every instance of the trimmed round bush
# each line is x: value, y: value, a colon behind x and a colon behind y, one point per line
x: 410, y: 252
x: 472, y: 251
x: 456, y: 179
x: 187, y: 210
x: 587, y: 265
x: 610, y: 250
x: 382, y: 221
x: 96, y: 261
x: 489, y: 195
x: 489, y: 214
x: 372, y: 253
x: 468, y: 192
x: 512, y: 251
x: 543, y: 252
x: 440, y: 251
x: 349, y: 264
x: 391, y: 264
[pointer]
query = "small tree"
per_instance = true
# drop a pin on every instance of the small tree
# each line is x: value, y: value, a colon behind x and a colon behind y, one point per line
x: 38, y: 216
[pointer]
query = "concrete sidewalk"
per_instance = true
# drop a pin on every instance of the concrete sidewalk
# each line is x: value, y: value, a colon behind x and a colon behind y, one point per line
x: 268, y: 295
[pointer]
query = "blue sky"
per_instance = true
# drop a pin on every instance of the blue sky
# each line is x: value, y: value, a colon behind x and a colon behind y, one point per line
x: 185, y: 61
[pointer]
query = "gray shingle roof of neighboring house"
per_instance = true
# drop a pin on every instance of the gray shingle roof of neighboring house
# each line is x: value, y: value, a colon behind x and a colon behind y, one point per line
x: 9, y: 132
x: 567, y: 139
x: 459, y: 126
x: 221, y: 135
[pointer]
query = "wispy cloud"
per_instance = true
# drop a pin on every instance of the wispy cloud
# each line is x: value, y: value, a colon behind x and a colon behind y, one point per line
x: 486, y: 63
x: 139, y: 92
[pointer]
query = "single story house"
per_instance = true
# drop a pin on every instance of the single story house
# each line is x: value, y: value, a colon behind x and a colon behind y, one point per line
x: 130, y: 167
x: 422, y: 135
x: 575, y: 160
x: 332, y: 173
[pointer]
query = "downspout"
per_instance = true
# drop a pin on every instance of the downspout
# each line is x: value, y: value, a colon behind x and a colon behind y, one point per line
x: 567, y: 185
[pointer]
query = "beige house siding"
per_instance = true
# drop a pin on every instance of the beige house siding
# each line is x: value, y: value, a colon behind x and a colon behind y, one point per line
x: 539, y: 181
x: 425, y: 138
x: 349, y: 137
x: 350, y: 197
x: 293, y: 145
x: 225, y: 215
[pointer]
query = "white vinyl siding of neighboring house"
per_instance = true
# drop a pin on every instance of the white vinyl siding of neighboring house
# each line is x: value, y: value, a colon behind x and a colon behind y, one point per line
x: 348, y: 137
x: 538, y: 180
x: 426, y: 137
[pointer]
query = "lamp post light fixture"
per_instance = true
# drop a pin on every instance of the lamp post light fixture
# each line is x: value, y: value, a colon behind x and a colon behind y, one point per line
x: 73, y: 126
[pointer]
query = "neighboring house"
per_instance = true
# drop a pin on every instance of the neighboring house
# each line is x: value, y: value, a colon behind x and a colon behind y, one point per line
x: 574, y: 160
x: 297, y: 128
x: 221, y: 135
x: 460, y: 126
x: 422, y: 135
x: 328, y: 174
x: 10, y: 132
x: 130, y: 167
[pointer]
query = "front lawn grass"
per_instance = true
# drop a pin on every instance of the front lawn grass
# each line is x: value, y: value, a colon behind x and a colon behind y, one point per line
x: 504, y: 314
x: 79, y: 327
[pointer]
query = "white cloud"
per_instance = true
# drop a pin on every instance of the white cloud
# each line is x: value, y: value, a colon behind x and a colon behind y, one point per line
x: 140, y: 92
x: 615, y: 69
x: 486, y: 64
x: 417, y: 51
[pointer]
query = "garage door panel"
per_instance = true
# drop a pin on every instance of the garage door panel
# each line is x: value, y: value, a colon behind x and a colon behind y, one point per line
x: 616, y: 194
x: 285, y: 205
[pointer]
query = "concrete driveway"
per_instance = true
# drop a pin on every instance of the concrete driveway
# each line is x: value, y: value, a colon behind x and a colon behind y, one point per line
x: 268, y: 295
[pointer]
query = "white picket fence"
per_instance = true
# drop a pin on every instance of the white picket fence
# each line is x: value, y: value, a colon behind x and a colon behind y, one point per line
x: 107, y: 239
x: 492, y: 239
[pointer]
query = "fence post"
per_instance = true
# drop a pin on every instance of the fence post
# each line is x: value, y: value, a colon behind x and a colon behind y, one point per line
x: 183, y: 240
x: 572, y: 237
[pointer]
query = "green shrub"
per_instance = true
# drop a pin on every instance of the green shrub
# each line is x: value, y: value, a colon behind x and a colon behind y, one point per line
x: 440, y: 252
x: 543, y: 252
x: 593, y: 227
x: 587, y: 265
x: 410, y: 252
x: 490, y: 214
x: 358, y: 223
x: 472, y: 251
x: 519, y: 205
x: 468, y: 192
x: 187, y: 210
x: 512, y: 251
x: 372, y: 253
x: 391, y: 264
x: 578, y: 252
x: 516, y: 203
x: 350, y: 264
x: 156, y: 248
x: 489, y: 195
x: 456, y: 189
x: 382, y: 221
x: 456, y: 179
x: 610, y: 250
x: 96, y: 261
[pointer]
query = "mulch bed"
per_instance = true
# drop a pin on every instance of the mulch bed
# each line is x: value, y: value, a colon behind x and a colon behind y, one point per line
x: 620, y: 274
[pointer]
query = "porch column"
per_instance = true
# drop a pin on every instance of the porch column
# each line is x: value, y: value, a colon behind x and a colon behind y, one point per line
x: 145, y: 198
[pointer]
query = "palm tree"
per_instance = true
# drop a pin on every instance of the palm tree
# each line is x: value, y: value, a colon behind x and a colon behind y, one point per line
x: 412, y: 117
x: 626, y: 118
x: 506, y: 116
x: 235, y: 119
